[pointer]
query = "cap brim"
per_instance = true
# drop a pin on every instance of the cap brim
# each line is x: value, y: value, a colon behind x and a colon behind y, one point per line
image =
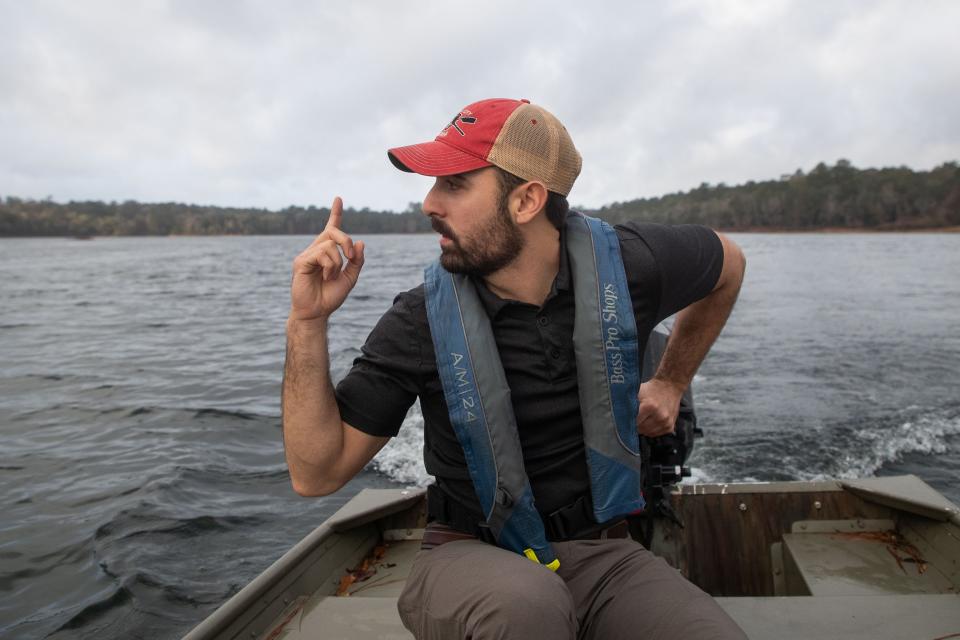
x: 434, y: 158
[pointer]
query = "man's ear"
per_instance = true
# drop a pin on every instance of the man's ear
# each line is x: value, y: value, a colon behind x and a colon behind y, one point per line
x: 529, y: 199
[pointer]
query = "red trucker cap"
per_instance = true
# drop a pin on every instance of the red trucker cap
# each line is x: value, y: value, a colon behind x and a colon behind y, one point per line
x: 519, y: 137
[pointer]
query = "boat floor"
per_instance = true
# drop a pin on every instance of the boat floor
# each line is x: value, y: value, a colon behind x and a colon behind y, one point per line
x: 368, y: 608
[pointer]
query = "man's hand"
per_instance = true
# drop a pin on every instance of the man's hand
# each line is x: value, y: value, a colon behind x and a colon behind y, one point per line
x: 320, y: 283
x: 659, y: 406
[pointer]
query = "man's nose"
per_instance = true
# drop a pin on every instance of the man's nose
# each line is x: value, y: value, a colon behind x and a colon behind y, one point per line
x: 431, y: 205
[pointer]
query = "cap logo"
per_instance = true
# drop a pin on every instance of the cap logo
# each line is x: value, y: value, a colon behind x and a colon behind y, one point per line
x: 462, y: 117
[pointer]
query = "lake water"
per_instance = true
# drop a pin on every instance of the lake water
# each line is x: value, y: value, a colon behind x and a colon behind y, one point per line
x: 142, y: 477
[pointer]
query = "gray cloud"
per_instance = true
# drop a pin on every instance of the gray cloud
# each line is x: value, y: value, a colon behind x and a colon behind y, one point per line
x: 269, y: 104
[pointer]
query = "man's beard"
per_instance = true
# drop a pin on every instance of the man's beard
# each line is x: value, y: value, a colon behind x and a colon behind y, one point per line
x: 492, y: 247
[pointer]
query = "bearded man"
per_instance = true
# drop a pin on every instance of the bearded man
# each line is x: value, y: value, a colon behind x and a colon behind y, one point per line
x: 523, y: 347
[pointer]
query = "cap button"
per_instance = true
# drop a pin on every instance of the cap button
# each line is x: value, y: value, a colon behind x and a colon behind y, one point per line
x: 524, y: 100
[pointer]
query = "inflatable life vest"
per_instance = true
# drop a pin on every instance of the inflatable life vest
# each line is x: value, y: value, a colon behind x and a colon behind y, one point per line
x: 478, y: 397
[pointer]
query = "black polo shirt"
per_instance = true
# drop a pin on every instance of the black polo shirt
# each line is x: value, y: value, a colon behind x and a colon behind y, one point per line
x: 667, y: 267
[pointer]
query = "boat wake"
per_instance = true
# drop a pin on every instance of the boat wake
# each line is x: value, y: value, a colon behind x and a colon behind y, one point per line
x: 912, y: 440
x: 855, y: 449
x: 402, y: 459
x: 871, y: 447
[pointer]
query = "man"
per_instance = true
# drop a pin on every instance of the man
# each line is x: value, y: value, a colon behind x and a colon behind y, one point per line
x: 567, y: 303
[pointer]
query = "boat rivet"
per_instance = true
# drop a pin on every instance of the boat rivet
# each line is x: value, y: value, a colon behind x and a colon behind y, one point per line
x: 743, y: 506
x: 817, y: 505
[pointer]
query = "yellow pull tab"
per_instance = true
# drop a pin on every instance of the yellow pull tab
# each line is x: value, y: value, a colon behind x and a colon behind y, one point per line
x: 553, y: 566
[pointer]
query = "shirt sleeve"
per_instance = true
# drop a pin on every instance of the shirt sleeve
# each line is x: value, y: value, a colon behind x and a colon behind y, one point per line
x: 688, y: 257
x: 384, y: 381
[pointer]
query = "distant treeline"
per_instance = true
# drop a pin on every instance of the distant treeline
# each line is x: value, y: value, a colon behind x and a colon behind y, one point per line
x: 19, y: 217
x: 838, y: 196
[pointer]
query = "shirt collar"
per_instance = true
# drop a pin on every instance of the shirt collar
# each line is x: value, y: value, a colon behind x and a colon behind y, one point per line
x: 493, y: 304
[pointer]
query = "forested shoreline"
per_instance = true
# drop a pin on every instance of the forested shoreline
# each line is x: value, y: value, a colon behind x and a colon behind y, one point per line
x: 838, y: 197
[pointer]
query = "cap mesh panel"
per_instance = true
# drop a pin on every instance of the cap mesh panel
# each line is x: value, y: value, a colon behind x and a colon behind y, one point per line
x: 535, y: 146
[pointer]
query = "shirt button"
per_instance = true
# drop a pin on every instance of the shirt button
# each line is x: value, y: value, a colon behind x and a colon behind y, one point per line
x: 554, y: 354
x: 543, y: 321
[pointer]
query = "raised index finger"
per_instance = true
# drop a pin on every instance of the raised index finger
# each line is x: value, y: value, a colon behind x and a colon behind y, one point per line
x: 336, y: 214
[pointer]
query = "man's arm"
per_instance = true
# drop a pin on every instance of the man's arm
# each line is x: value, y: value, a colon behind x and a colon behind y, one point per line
x: 322, y: 451
x: 694, y: 331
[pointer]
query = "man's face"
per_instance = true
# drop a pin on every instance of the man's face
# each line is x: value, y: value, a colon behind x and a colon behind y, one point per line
x: 478, y: 233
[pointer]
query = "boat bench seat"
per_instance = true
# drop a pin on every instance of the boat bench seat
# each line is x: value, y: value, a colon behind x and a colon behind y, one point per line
x: 856, y: 563
x: 788, y: 618
x: 847, y: 617
x: 333, y: 618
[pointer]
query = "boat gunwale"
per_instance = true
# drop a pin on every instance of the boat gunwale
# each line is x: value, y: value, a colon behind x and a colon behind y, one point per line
x: 366, y: 506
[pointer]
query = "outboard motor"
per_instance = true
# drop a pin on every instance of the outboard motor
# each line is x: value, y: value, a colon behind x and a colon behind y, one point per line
x: 664, y: 457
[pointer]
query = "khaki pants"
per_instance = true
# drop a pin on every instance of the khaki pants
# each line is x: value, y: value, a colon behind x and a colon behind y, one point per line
x: 604, y: 589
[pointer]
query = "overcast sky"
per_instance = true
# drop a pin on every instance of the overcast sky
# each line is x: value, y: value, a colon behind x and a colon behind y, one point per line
x: 269, y: 104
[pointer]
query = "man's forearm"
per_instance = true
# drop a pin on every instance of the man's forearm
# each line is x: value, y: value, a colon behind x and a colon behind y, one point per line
x: 312, y: 427
x: 697, y: 326
x: 694, y: 332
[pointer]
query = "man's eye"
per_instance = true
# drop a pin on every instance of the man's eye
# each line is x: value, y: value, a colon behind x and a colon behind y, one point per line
x: 453, y: 185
